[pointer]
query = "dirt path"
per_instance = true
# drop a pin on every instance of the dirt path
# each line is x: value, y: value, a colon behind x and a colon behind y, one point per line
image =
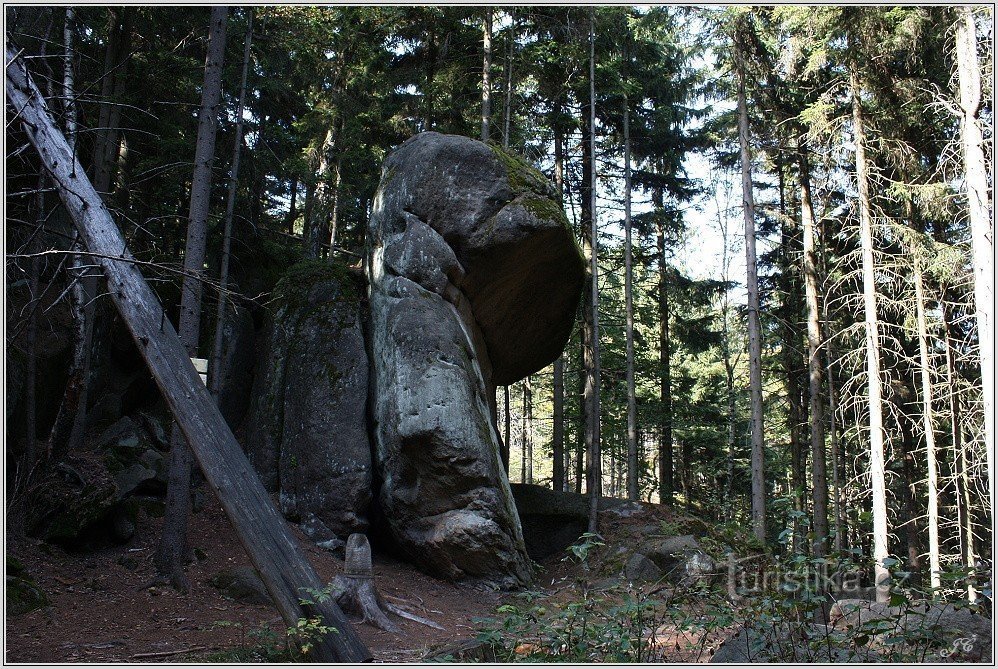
x: 102, y: 612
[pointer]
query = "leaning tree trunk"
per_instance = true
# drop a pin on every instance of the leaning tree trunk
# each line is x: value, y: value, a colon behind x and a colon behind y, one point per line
x: 981, y: 225
x: 260, y: 527
x: 877, y: 467
x: 754, y: 331
x: 230, y: 209
x: 172, y: 550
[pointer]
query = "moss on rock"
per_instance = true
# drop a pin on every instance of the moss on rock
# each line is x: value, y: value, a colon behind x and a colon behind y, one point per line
x: 522, y: 176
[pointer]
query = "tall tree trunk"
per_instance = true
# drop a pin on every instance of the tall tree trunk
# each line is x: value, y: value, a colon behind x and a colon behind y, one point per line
x: 754, y: 332
x: 841, y: 529
x: 558, y: 429
x: 334, y: 215
x: 230, y: 208
x: 961, y: 476
x: 486, y: 73
x: 68, y: 77
x: 171, y: 552
x: 289, y: 221
x: 528, y: 416
x: 505, y: 451
x: 790, y: 356
x: 819, y: 478
x: 982, y: 232
x: 927, y: 426
x: 507, y: 108
x: 259, y: 526
x: 593, y: 386
x: 632, y: 409
x: 877, y: 468
x: 320, y: 208
x: 666, y: 473
x: 71, y: 421
x: 114, y: 80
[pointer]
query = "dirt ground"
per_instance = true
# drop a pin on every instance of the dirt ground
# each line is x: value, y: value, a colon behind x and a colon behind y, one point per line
x: 103, y: 608
x: 102, y: 611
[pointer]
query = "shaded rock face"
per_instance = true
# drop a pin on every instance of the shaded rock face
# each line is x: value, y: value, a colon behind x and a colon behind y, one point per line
x: 474, y: 281
x: 307, y: 433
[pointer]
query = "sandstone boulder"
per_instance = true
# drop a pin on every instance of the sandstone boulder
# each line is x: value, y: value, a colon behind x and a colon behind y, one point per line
x: 474, y: 278
x: 307, y: 433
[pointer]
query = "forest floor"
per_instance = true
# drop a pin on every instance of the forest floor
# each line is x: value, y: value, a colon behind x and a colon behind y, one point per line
x: 104, y: 610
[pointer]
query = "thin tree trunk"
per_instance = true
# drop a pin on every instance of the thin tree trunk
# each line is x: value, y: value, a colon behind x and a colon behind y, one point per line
x: 791, y: 361
x: 486, y: 73
x: 595, y: 457
x: 334, y: 216
x: 68, y: 79
x: 754, y: 333
x: 319, y: 211
x: 505, y: 441
x: 112, y: 86
x: 31, y: 372
x: 877, y: 467
x: 171, y: 552
x: 632, y: 409
x: 982, y: 232
x: 507, y: 107
x: 230, y: 209
x: 289, y: 222
x: 558, y: 430
x: 927, y: 427
x: 528, y: 417
x: 666, y: 473
x: 71, y: 421
x: 260, y: 527
x: 819, y: 478
x: 962, y: 479
x: 841, y: 529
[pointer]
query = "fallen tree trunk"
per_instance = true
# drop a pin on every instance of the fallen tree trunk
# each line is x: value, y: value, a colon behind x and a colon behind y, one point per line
x: 273, y: 550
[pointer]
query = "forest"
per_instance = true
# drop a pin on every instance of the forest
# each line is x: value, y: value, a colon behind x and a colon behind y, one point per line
x: 499, y: 333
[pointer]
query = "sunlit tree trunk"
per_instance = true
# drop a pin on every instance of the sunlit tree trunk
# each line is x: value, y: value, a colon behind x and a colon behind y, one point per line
x: 754, y: 333
x: 877, y: 469
x: 960, y: 474
x: 982, y: 232
x: 486, y: 73
x: 927, y: 425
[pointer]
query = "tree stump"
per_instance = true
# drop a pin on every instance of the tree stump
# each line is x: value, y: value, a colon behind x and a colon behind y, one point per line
x: 355, y: 593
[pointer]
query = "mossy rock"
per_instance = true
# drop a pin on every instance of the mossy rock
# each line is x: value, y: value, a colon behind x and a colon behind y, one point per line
x: 523, y: 177
x: 23, y: 595
x: 294, y: 286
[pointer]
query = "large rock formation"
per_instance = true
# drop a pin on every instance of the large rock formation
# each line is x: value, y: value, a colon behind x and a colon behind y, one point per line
x: 307, y: 432
x: 474, y: 281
